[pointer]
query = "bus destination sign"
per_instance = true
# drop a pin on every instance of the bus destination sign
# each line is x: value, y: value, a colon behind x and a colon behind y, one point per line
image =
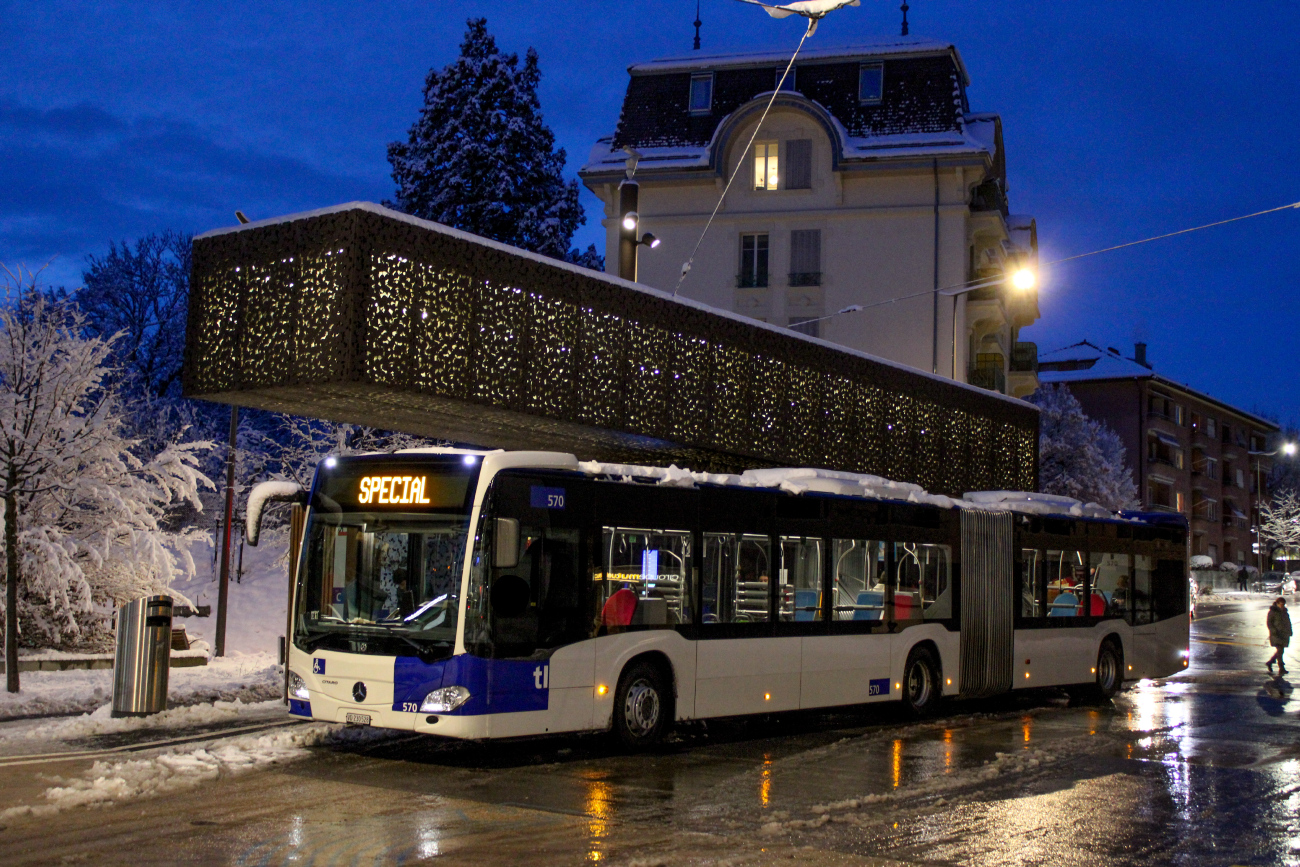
x: 393, y: 490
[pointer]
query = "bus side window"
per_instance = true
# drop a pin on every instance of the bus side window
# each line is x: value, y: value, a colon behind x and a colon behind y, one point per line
x: 800, y: 593
x: 537, y: 603
x: 1169, y: 589
x: 1067, y: 579
x: 737, y: 572
x: 1140, y: 604
x: 654, y: 567
x: 923, y: 588
x: 1110, y: 584
x: 858, y: 573
x: 1032, y: 601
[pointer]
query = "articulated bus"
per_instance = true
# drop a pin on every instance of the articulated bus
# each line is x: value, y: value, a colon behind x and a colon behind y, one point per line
x: 477, y: 594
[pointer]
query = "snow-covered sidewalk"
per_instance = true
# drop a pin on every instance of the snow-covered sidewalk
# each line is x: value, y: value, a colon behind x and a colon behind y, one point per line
x: 246, y: 678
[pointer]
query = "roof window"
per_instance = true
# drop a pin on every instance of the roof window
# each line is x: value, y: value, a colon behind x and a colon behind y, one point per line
x: 789, y: 78
x: 701, y: 93
x: 871, y: 83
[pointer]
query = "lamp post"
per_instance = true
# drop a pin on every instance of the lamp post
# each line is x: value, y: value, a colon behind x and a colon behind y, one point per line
x: 1287, y: 449
x: 1022, y: 278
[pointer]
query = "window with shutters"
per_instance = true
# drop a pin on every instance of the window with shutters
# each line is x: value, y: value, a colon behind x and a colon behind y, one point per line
x: 753, y: 261
x: 798, y: 164
x: 806, y: 257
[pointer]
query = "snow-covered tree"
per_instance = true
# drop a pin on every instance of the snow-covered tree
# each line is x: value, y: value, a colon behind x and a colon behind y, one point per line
x: 480, y: 157
x: 1080, y: 457
x: 85, y: 517
x: 1280, y: 523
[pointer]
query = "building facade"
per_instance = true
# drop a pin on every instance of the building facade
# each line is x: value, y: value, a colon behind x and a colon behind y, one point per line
x: 869, y: 183
x: 1189, y: 452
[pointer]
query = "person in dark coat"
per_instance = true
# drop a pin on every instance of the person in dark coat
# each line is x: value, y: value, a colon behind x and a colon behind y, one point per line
x: 1279, y: 633
x: 1242, y: 577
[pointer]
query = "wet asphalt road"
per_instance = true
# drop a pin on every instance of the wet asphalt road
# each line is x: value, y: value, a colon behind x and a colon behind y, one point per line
x: 1200, y: 769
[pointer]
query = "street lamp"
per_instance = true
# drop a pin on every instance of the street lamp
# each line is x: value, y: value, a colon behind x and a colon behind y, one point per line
x: 1023, y: 278
x: 1288, y: 450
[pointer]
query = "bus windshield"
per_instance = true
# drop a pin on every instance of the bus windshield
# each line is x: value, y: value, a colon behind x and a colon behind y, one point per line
x: 384, y: 551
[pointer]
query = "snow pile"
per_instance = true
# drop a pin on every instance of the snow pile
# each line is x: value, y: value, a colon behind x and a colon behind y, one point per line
x: 251, y: 678
x: 101, y: 721
x: 110, y: 782
x: 801, y: 480
x: 1201, y: 561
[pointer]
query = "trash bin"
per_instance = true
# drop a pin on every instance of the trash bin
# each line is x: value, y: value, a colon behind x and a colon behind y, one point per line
x: 144, y: 639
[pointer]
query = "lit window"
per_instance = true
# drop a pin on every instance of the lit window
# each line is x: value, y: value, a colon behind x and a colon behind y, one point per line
x: 702, y: 93
x: 871, y: 82
x: 765, y: 153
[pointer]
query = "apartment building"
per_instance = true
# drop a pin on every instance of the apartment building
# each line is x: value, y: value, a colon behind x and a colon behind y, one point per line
x: 1189, y: 452
x: 870, y: 183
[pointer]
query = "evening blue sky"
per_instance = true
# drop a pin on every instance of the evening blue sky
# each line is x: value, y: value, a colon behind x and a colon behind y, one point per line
x: 1121, y: 121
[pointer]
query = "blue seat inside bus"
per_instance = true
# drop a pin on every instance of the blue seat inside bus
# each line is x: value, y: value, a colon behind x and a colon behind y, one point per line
x: 1064, y: 605
x: 805, y: 604
x: 873, y: 598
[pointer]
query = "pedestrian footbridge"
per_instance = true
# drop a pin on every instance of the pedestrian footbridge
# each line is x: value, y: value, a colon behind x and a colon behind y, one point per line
x: 361, y: 314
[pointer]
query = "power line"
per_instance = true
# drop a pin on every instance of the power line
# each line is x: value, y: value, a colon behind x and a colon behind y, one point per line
x: 686, y: 267
x: 927, y: 292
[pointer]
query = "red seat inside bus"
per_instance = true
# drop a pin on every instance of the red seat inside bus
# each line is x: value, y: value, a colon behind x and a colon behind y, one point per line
x: 619, y: 608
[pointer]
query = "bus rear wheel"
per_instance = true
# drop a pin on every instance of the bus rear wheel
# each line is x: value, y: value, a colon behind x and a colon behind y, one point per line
x: 1110, y: 670
x: 921, y: 691
x: 642, y: 705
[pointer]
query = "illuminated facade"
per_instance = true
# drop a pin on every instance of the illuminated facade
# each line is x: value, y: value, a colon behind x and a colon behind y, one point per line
x: 871, y: 182
x: 361, y: 314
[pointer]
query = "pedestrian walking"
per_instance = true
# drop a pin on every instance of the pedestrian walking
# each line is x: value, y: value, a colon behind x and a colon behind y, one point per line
x: 1279, y: 633
x: 1242, y: 577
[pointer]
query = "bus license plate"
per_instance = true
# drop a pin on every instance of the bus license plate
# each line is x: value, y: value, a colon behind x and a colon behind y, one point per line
x: 358, y: 719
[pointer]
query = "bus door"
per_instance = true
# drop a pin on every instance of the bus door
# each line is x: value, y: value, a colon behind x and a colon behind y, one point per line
x: 987, y: 603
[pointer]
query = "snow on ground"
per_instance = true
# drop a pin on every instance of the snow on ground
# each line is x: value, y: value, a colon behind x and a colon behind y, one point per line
x: 101, y: 721
x: 247, y: 678
x: 109, y: 782
x: 258, y: 600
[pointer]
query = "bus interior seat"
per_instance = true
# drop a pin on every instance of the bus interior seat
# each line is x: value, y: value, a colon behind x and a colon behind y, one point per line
x: 806, y: 603
x: 870, y: 597
x: 1099, y: 604
x: 619, y: 608
x: 1063, y: 605
x: 905, y: 606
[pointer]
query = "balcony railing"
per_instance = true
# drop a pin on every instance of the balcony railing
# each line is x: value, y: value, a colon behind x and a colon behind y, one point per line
x: 1024, y: 356
x: 1161, y: 507
x: 991, y: 378
x: 751, y: 281
x: 805, y: 278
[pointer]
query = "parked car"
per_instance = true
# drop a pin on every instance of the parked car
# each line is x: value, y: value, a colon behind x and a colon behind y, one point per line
x: 1271, y: 583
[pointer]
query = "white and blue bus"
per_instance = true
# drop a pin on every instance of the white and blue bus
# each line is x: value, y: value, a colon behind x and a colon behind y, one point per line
x: 479, y: 594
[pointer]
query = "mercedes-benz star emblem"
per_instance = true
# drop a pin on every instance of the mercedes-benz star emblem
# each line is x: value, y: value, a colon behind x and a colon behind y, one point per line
x: 359, y: 691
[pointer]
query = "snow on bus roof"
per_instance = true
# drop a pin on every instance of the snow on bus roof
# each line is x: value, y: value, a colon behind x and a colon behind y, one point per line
x: 801, y: 480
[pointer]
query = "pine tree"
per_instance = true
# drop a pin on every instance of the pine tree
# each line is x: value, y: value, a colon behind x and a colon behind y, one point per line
x: 480, y: 157
x: 1080, y: 457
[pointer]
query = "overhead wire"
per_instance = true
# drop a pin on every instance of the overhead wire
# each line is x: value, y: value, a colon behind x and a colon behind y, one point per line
x: 686, y: 267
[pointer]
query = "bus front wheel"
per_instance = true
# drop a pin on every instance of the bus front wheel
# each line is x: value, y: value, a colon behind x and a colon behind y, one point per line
x: 642, y: 705
x: 1110, y: 670
x: 921, y: 691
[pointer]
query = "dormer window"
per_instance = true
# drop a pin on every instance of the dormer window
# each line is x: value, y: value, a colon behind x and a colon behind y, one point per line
x: 871, y: 83
x: 789, y: 79
x: 702, y: 93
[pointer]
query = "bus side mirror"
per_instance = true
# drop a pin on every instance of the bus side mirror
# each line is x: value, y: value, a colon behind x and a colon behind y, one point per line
x: 268, y: 492
x: 506, y: 555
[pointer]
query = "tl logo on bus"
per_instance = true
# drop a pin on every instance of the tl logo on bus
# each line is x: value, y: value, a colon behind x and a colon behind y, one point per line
x: 542, y: 677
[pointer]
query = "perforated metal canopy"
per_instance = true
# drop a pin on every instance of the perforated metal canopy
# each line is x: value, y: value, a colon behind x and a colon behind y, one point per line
x: 357, y: 313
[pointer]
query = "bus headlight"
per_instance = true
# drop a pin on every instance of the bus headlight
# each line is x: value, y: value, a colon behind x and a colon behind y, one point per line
x: 444, y: 700
x: 297, y: 686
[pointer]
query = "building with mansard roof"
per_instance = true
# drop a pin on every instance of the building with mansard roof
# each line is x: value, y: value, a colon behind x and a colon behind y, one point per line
x: 870, y: 183
x: 1189, y: 452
